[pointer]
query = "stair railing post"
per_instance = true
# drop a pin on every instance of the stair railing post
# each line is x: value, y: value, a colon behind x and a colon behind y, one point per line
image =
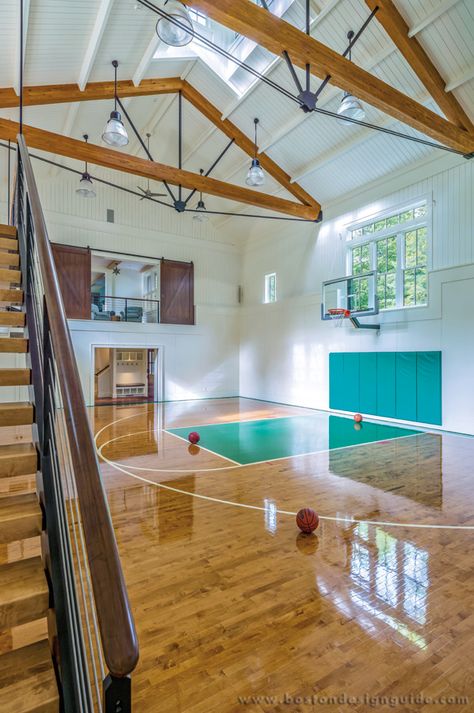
x: 117, y: 694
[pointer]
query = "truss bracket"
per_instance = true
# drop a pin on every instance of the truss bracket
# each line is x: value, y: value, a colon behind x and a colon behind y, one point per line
x: 355, y: 322
x: 180, y: 206
x: 308, y: 101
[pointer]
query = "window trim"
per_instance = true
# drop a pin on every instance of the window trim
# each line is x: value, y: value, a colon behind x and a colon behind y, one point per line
x: 266, y: 292
x: 397, y: 231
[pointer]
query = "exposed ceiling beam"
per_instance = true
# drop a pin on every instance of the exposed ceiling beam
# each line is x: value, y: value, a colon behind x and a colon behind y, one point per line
x: 113, y: 264
x: 242, y: 141
x: 278, y: 36
x: 460, y: 79
x: 397, y: 29
x: 94, y: 91
x: 359, y: 137
x: 94, y: 42
x: 320, y: 14
x: 19, y: 58
x: 144, y: 63
x: 443, y: 7
x: 117, y: 161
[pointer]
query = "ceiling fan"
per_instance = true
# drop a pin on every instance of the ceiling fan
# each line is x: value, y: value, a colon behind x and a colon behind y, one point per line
x: 147, y: 193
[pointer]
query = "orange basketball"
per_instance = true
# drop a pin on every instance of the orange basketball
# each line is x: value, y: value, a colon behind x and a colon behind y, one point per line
x: 307, y: 520
x: 357, y: 417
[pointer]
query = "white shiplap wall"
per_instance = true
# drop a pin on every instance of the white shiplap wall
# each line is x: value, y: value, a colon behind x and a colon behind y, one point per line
x: 285, y: 347
x: 199, y: 361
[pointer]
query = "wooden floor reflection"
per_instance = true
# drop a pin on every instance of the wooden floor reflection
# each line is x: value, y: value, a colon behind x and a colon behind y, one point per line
x: 232, y: 603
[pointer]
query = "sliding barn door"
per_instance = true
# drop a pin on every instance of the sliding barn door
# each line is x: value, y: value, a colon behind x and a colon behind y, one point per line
x: 177, y: 292
x: 73, y: 266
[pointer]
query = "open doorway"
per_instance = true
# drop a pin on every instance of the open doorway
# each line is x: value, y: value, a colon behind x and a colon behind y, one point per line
x: 125, y: 375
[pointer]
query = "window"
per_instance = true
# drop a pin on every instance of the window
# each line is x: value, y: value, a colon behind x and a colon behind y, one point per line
x: 270, y: 287
x: 396, y: 246
x: 198, y: 17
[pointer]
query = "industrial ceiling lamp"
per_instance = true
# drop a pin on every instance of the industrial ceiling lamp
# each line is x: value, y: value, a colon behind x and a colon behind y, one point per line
x: 115, y: 133
x: 86, y: 189
x: 255, y: 175
x: 350, y: 106
x: 200, y: 215
x: 177, y: 29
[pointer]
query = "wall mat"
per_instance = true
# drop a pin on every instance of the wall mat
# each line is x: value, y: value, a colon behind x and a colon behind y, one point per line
x: 405, y: 385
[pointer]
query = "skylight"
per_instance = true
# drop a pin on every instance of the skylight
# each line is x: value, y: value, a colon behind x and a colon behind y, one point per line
x: 244, y: 49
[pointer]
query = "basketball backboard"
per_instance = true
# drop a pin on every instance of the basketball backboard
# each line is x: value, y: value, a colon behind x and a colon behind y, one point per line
x: 355, y: 293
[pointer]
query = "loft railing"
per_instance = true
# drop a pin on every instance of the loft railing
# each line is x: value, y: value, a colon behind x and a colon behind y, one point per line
x: 97, y: 641
x: 124, y: 309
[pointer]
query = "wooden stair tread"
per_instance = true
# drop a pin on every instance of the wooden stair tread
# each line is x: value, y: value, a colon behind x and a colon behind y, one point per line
x: 9, y: 259
x: 12, y: 296
x: 15, y: 377
x: 8, y: 230
x: 13, y: 345
x: 16, y: 414
x: 27, y: 680
x: 24, y: 592
x: 8, y: 243
x: 18, y: 459
x: 20, y: 517
x: 12, y: 319
x: 7, y: 275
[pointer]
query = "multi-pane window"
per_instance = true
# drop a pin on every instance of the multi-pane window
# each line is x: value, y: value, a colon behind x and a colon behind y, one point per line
x: 396, y: 246
x: 270, y: 287
x: 386, y: 249
x: 415, y: 275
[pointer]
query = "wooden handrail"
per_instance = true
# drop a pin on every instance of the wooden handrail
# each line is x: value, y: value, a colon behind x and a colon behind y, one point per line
x: 117, y: 629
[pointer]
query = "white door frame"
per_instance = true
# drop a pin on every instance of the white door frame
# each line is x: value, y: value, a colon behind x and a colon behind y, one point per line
x: 159, y: 385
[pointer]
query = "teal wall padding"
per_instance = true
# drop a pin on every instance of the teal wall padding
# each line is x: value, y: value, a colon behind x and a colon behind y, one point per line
x: 351, y: 381
x: 404, y: 385
x: 386, y: 385
x: 336, y: 383
x: 368, y: 385
x: 428, y: 387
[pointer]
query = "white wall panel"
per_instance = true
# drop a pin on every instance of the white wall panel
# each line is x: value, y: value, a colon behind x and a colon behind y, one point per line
x: 285, y: 346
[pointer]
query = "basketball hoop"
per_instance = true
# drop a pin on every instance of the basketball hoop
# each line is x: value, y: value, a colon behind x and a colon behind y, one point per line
x: 338, y: 314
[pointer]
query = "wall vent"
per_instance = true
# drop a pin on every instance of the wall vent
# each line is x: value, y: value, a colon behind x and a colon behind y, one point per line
x: 110, y: 216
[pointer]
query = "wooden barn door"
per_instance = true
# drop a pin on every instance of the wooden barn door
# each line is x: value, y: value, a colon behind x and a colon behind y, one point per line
x: 177, y: 292
x: 73, y: 266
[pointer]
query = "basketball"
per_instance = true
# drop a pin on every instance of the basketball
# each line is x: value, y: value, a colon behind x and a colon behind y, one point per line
x: 194, y: 437
x: 357, y: 417
x: 193, y: 450
x: 307, y: 520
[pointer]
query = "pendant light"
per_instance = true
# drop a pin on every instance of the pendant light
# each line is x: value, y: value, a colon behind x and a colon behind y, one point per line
x: 86, y: 189
x: 255, y: 175
x: 115, y: 133
x: 200, y: 216
x: 350, y: 106
x: 176, y: 35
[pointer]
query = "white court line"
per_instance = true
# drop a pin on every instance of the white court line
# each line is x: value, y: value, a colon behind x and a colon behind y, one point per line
x: 286, y: 512
x: 240, y: 465
x: 170, y: 433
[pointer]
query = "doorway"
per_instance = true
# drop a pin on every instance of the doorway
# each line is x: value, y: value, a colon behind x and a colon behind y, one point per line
x: 124, y: 375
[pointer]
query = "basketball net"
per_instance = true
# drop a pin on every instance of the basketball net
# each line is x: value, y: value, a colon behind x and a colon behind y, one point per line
x: 338, y: 314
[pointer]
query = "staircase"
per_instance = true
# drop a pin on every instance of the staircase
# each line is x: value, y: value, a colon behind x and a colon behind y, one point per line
x: 27, y: 675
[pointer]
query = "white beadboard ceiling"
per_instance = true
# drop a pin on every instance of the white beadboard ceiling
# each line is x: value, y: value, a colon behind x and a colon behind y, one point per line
x: 77, y: 39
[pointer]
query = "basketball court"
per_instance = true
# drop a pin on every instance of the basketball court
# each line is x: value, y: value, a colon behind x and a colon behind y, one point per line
x: 257, y: 612
x: 236, y: 356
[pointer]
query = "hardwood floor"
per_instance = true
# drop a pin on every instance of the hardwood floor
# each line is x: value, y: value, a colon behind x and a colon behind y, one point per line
x: 231, y: 602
